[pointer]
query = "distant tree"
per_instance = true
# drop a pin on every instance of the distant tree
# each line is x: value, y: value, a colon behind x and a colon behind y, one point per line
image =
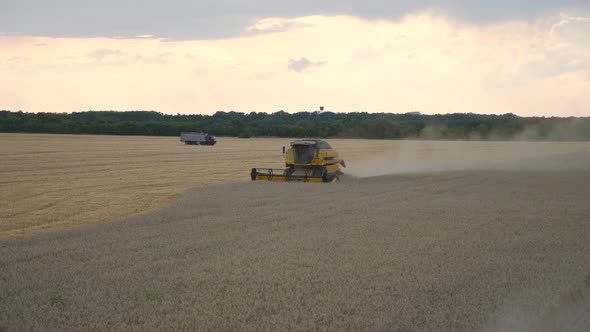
x: 301, y: 124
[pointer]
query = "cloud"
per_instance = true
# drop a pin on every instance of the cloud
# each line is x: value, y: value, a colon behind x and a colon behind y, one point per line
x: 302, y: 64
x: 189, y: 19
x: 100, y: 54
x: 273, y: 25
x: 17, y: 59
x: 565, y: 20
x: 440, y: 65
x: 161, y: 58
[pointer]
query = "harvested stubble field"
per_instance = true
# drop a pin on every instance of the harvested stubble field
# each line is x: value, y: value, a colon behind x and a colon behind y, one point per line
x: 449, y: 236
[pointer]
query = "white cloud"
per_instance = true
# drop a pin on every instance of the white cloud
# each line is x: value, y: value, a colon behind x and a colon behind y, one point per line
x: 565, y: 20
x: 273, y: 25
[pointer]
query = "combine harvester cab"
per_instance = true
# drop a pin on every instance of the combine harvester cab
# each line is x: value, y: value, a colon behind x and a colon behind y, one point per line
x: 307, y: 161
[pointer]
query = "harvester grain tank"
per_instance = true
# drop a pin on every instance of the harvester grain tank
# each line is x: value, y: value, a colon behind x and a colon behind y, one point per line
x: 307, y: 160
x: 197, y: 138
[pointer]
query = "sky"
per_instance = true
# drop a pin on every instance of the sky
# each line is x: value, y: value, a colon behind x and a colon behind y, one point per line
x: 494, y: 57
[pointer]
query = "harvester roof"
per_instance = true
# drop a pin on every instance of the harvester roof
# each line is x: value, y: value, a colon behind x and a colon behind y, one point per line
x: 306, y: 142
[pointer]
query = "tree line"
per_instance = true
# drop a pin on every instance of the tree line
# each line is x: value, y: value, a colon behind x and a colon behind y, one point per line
x: 302, y: 124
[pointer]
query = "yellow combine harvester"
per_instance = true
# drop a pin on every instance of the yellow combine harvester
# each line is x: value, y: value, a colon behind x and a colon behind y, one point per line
x: 307, y: 160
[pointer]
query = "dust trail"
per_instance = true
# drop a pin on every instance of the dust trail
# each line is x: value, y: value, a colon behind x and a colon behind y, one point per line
x: 402, y: 157
x: 569, y: 311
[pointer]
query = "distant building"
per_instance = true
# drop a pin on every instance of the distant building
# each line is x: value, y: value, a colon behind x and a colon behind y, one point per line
x: 413, y: 113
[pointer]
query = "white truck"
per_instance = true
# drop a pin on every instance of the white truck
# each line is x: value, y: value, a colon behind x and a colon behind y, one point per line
x: 197, y: 138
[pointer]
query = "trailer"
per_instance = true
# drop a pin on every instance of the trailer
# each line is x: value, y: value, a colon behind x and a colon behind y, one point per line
x: 201, y: 138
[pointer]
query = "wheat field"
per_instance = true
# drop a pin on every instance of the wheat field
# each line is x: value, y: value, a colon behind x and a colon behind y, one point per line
x: 419, y: 235
x: 51, y: 182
